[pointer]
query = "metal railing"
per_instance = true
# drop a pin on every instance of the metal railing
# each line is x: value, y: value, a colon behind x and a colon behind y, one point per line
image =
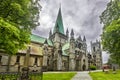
x: 18, y: 76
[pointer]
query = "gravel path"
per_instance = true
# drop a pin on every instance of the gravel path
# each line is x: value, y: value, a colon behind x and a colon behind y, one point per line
x: 82, y: 76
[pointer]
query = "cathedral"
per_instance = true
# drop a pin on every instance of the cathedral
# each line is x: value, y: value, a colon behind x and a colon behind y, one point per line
x: 60, y: 52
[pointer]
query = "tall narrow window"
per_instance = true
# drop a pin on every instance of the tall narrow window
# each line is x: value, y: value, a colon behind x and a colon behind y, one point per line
x: 0, y: 58
x: 36, y: 60
x: 18, y: 59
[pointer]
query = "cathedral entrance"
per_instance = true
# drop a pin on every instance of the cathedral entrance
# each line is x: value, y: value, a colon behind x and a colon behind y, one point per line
x: 84, y: 67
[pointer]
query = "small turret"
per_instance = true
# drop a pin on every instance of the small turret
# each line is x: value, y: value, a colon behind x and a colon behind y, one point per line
x: 45, y: 42
x: 84, y: 39
x: 79, y: 38
x: 72, y: 34
x: 50, y: 33
x: 67, y: 33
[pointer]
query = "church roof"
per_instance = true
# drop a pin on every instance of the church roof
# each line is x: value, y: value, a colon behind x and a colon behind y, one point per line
x: 38, y: 39
x: 59, y: 23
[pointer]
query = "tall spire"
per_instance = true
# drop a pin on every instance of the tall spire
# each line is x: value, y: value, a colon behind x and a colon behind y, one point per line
x: 72, y: 34
x: 50, y: 33
x: 67, y: 33
x: 59, y: 23
x: 84, y: 39
x: 79, y: 38
x: 45, y: 41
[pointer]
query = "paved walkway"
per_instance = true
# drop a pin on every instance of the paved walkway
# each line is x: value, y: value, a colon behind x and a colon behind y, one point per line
x: 82, y: 76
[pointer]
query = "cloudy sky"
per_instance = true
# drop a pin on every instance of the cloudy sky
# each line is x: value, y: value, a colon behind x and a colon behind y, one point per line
x: 81, y: 15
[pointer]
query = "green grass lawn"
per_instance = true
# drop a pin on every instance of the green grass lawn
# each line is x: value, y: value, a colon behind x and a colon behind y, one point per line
x: 58, y: 76
x: 105, y: 76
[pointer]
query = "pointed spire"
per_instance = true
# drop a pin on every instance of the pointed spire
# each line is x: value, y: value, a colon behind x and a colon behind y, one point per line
x: 45, y: 41
x: 72, y: 33
x: 79, y: 38
x: 84, y: 39
x: 50, y: 33
x: 67, y: 33
x: 59, y: 23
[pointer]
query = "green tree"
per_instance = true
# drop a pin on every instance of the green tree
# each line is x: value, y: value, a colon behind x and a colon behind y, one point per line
x: 112, y: 12
x: 111, y: 31
x: 111, y: 39
x: 17, y: 19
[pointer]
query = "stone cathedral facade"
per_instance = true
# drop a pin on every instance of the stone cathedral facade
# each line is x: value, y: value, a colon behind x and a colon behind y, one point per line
x: 60, y: 52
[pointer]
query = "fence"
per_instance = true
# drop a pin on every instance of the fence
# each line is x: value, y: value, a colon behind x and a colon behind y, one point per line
x: 18, y: 76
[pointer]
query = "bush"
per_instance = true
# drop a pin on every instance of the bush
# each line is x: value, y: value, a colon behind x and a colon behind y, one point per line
x: 92, y: 67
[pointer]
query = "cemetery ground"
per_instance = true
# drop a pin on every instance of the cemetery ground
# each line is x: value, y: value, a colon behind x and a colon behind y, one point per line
x: 109, y: 75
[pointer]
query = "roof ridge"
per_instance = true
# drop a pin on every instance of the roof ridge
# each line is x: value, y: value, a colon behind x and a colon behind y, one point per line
x: 38, y: 36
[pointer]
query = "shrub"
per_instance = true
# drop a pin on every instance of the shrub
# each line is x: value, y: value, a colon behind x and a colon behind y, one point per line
x: 92, y: 67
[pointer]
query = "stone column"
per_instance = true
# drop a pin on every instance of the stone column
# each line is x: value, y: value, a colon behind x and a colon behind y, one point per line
x: 45, y: 57
x: 59, y: 60
x: 72, y: 62
x: 25, y: 69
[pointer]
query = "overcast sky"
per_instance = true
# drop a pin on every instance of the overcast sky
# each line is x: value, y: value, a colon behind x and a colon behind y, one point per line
x: 81, y: 15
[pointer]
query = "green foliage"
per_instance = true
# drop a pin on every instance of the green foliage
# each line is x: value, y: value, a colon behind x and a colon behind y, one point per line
x: 17, y: 19
x: 23, y: 13
x: 8, y: 32
x: 111, y: 13
x: 111, y: 40
x: 111, y: 31
x: 92, y: 67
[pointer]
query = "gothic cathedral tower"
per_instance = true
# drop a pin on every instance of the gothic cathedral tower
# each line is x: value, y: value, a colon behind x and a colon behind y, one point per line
x: 58, y: 38
x: 96, y: 54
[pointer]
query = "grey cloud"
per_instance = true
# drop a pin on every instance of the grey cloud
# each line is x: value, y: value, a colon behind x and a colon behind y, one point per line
x: 82, y: 15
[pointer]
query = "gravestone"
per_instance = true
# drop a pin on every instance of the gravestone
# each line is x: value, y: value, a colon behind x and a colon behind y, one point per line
x: 114, y: 70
